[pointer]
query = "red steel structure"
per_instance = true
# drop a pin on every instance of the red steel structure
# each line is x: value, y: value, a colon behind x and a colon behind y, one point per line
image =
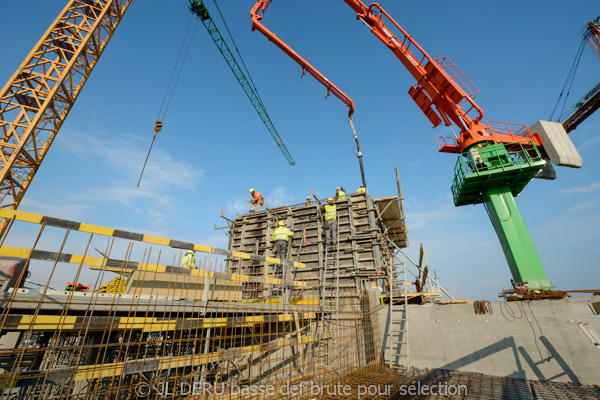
x: 442, y: 91
x: 257, y: 12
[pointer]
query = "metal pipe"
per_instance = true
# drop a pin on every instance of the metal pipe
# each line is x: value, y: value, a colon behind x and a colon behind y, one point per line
x: 358, y: 151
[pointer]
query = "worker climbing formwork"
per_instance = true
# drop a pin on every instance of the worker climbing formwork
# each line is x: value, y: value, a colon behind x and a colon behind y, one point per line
x: 331, y: 225
x: 281, y: 237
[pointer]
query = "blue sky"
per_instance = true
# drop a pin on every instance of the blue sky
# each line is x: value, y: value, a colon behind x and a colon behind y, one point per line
x: 214, y: 147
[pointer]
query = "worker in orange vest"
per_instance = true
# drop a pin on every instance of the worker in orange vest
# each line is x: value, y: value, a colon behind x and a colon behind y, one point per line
x: 256, y: 202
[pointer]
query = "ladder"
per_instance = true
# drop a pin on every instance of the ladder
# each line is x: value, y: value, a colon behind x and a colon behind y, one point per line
x: 330, y: 276
x: 398, y: 318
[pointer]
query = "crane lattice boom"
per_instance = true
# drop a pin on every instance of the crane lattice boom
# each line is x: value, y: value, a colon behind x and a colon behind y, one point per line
x: 201, y: 11
x: 37, y: 99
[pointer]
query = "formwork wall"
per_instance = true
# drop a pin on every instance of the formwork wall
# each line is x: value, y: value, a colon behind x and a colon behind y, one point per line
x: 360, y: 254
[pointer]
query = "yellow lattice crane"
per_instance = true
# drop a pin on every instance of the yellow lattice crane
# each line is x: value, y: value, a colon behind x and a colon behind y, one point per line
x: 38, y: 97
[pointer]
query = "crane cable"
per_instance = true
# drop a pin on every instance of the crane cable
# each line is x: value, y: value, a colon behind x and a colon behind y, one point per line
x: 162, y: 115
x: 569, y: 81
x: 239, y: 54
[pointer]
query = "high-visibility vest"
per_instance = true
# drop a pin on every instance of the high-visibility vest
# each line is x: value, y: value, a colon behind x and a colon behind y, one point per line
x: 341, y: 195
x: 281, y: 233
x: 330, y: 212
x: 189, y: 261
x: 257, y: 198
x: 360, y: 190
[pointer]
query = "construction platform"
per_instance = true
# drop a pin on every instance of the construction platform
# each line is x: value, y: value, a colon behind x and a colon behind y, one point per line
x: 130, y: 321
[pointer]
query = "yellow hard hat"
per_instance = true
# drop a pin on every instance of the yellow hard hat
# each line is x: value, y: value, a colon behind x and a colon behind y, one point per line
x: 337, y: 188
x: 330, y: 199
x: 307, y: 197
x: 251, y: 190
x: 280, y: 223
x: 190, y: 251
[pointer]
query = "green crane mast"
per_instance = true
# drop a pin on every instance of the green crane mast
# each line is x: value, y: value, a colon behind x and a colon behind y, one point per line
x: 199, y: 9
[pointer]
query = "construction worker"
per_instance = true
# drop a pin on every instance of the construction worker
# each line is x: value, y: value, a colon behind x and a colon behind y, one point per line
x: 256, y: 202
x: 281, y: 235
x: 308, y: 201
x: 340, y: 194
x: 361, y: 189
x: 330, y: 222
x: 189, y: 260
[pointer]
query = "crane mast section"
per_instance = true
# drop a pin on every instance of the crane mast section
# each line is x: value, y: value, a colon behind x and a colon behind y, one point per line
x: 199, y: 9
x: 257, y: 12
x: 37, y: 99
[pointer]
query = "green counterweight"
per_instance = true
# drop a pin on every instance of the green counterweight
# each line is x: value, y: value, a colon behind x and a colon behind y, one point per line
x: 494, y: 174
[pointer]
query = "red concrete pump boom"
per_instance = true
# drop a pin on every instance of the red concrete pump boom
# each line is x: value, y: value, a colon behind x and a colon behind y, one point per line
x: 257, y: 11
x: 442, y: 92
x: 440, y: 84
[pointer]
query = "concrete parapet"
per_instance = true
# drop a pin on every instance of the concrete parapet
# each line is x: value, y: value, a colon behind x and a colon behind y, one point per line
x: 533, y: 340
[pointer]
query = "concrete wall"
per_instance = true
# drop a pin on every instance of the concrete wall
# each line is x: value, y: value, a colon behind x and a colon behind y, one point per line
x: 533, y: 340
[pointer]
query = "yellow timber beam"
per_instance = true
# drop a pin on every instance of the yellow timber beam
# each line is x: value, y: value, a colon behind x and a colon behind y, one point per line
x: 125, y: 267
x: 139, y: 237
x: 146, y: 324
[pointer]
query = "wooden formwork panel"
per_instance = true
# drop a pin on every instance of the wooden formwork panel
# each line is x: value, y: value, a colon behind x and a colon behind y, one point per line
x: 358, y: 241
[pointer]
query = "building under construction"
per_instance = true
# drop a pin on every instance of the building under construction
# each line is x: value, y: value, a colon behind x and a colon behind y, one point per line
x: 95, y: 312
x: 250, y: 322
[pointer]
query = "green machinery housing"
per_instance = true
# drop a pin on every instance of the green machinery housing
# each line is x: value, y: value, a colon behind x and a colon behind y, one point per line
x: 494, y: 174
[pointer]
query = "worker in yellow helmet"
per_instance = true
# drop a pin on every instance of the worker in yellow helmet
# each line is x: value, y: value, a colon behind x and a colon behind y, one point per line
x: 361, y: 189
x: 256, y: 202
x: 281, y: 235
x: 308, y: 201
x: 189, y: 260
x: 340, y: 194
x: 330, y: 213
